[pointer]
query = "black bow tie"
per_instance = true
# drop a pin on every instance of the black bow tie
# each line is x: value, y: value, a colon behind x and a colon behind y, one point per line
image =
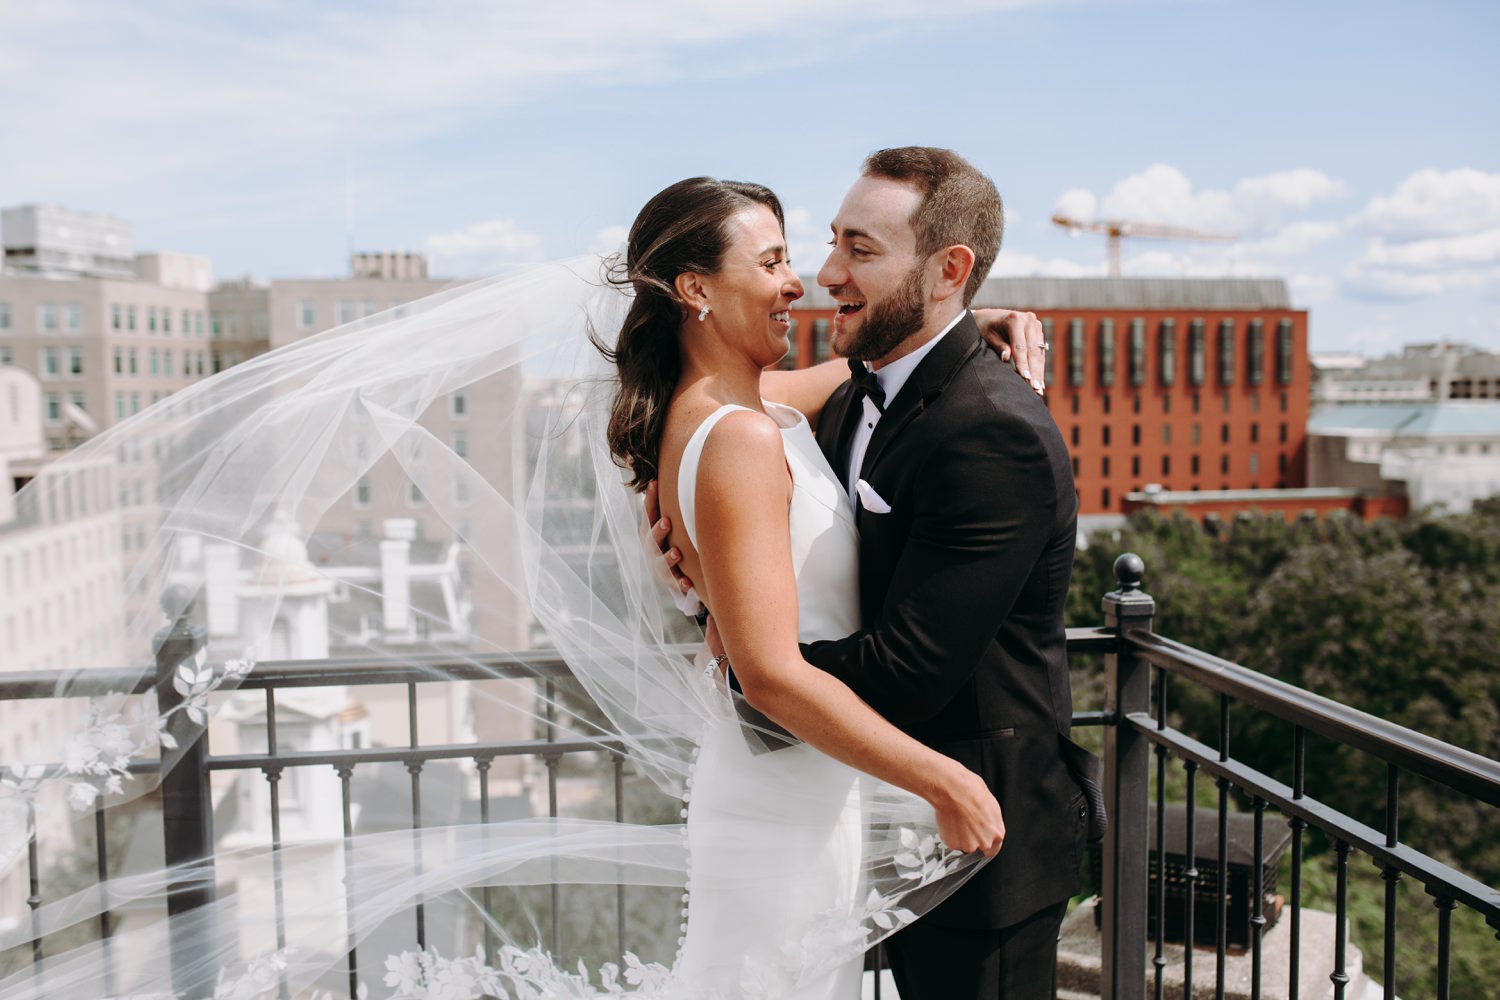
x: 866, y: 384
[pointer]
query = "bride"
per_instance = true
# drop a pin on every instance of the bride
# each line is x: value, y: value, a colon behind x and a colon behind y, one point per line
x: 238, y: 495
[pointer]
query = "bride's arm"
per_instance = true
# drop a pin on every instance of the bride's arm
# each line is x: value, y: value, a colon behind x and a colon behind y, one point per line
x: 744, y: 545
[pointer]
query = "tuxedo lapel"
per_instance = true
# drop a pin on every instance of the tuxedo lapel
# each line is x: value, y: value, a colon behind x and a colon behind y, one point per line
x: 835, y: 426
x: 926, y: 383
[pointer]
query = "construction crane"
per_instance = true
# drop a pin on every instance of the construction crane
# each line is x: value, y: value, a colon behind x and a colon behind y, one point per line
x: 1118, y: 228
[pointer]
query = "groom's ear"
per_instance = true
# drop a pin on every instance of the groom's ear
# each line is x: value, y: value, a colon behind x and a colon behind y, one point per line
x: 691, y: 291
x: 953, y: 266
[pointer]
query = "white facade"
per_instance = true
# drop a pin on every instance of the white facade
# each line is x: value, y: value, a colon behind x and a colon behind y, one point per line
x: 1447, y: 454
x: 61, y: 607
x: 56, y: 240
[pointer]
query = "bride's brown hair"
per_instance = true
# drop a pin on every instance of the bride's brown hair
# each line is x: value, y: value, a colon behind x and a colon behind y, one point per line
x: 684, y: 228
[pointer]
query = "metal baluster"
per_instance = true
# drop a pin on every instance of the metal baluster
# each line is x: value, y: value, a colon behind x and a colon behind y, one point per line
x: 1392, y: 875
x: 1190, y: 878
x: 1257, y: 914
x: 414, y: 768
x: 482, y: 764
x: 1340, y: 976
x: 34, y: 881
x: 619, y: 762
x: 1221, y: 936
x: 1294, y: 958
x: 552, y: 760
x: 1445, y: 940
x: 346, y: 773
x: 273, y: 777
x: 101, y: 862
x: 1159, y: 961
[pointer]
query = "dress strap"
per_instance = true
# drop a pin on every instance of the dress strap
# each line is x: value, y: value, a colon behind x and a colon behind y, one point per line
x: 687, y: 470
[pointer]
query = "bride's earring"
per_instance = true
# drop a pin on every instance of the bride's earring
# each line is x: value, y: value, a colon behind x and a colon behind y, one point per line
x: 703, y: 314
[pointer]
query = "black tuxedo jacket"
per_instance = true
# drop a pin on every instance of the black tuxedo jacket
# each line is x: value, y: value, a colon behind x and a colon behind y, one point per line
x: 962, y: 586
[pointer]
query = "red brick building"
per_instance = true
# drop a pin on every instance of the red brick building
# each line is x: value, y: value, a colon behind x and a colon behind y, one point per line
x: 1189, y: 384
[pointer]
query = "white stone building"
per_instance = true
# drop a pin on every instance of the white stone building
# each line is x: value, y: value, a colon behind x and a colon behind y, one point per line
x: 1442, y: 454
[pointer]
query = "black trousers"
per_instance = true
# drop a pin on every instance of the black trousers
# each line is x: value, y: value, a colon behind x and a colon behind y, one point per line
x: 1019, y: 962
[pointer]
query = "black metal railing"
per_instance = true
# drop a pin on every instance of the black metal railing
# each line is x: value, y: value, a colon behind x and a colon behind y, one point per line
x: 1139, y: 669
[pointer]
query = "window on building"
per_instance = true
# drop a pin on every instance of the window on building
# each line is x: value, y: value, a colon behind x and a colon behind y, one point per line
x: 73, y: 316
x: 1193, y: 464
x: 461, y: 444
x: 1226, y: 352
x: 7, y: 357
x: 1135, y: 465
x: 1105, y: 433
x: 1255, y: 433
x: 1137, y: 351
x: 1075, y: 467
x: 1047, y: 366
x: 54, y: 407
x: 1105, y: 402
x: 151, y: 319
x: 1197, y: 354
x: 119, y: 406
x: 114, y: 316
x: 75, y: 361
x: 821, y: 348
x: 460, y: 403
x: 1135, y: 403
x: 1224, y: 466
x: 1284, y: 352
x: 155, y: 363
x: 368, y: 308
x: 1075, y: 353
x: 1254, y: 464
x: 1104, y: 498
x: 1281, y: 463
x: 46, y: 317
x: 1224, y: 433
x: 198, y: 322
x: 187, y: 362
x: 51, y: 362
x: 1281, y: 433
x: 1283, y: 402
x: 1075, y: 405
x: 166, y: 320
x: 1166, y: 352
x: 119, y: 361
x: 344, y: 311
x: 1166, y: 433
x: 130, y: 317
x: 362, y: 492
x: 166, y: 362
x: 1166, y: 404
x: 1166, y: 465
x: 187, y: 323
x: 1104, y: 466
x: 1135, y: 433
x: 1255, y: 351
x: 1076, y: 436
x: 135, y: 361
x: 1106, y: 351
x: 78, y: 400
x: 215, y: 362
x: 4, y: 317
x: 413, y: 492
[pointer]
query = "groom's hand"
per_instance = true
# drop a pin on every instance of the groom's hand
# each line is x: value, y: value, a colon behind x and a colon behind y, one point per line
x: 660, y: 528
x: 1018, y: 338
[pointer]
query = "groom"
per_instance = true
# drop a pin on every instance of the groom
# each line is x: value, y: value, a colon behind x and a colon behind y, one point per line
x: 963, y: 492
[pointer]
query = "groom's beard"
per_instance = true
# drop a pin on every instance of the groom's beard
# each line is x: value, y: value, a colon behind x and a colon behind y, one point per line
x: 886, y: 325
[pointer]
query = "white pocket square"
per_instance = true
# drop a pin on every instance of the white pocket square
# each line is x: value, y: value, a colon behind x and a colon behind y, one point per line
x: 870, y: 500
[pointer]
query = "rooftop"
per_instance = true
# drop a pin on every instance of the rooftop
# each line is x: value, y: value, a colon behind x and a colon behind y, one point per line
x: 1113, y: 293
x: 1450, y: 418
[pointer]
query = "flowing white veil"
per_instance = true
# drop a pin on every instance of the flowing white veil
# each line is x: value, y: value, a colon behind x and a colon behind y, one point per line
x: 424, y: 495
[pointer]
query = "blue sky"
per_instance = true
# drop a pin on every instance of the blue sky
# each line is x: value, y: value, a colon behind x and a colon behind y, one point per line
x: 1353, y: 147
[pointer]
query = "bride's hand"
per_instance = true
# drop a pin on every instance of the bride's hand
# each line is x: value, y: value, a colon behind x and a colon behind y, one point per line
x: 660, y: 528
x: 968, y: 817
x: 1017, y: 337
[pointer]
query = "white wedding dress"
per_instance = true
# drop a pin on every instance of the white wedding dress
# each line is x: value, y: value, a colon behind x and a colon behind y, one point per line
x: 775, y: 839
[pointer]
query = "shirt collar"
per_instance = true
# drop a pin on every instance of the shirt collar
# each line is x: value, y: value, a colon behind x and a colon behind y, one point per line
x: 894, y: 375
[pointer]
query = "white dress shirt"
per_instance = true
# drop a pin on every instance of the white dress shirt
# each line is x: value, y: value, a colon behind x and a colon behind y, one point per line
x: 892, y: 377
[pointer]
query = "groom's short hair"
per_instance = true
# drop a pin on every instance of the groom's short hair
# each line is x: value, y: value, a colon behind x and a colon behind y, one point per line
x: 959, y: 204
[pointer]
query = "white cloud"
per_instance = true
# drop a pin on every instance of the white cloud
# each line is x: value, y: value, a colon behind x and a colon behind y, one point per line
x: 1433, y: 203
x: 609, y: 239
x: 1011, y: 264
x: 483, y: 248
x: 1257, y: 206
x: 1076, y: 203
